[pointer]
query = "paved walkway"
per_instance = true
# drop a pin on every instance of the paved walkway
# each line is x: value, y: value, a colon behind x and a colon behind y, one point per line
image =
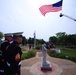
x: 60, y: 66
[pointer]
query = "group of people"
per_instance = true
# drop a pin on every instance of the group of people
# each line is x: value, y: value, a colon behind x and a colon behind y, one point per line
x: 10, y: 54
x: 49, y: 45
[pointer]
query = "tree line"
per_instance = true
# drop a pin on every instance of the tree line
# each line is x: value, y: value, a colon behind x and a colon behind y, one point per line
x: 31, y: 41
x: 63, y: 39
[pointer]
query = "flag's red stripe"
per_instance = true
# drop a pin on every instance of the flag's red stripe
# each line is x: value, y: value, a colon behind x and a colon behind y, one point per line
x: 49, y: 8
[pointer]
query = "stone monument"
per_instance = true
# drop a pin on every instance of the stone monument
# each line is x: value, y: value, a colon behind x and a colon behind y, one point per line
x: 45, y: 64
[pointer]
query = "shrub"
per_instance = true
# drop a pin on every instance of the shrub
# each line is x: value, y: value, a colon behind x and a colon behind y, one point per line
x: 32, y: 53
x: 57, y: 55
x: 72, y: 58
x: 25, y: 56
x: 38, y: 47
x: 28, y: 55
x: 50, y: 52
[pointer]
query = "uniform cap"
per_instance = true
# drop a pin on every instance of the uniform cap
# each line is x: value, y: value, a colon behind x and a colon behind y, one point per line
x: 18, y: 34
x: 8, y: 34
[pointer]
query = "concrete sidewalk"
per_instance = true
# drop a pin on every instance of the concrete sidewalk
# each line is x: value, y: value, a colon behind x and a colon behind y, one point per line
x: 60, y: 66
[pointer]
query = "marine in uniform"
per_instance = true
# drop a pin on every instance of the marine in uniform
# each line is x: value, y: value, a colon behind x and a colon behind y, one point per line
x: 4, y: 46
x: 14, y: 55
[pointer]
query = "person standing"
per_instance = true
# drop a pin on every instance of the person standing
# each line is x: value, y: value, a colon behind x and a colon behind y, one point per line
x: 14, y: 55
x: 4, y: 46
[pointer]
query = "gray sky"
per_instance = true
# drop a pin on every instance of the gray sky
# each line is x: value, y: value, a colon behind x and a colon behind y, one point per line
x: 24, y: 15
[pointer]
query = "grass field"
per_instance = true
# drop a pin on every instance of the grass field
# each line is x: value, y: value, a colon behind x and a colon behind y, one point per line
x: 66, y: 53
x: 69, y: 52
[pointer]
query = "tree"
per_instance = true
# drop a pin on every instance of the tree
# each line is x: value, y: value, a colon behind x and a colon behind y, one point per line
x: 1, y: 36
x: 31, y: 40
x: 40, y: 41
x: 24, y: 40
x: 61, y: 37
x: 60, y: 34
x: 53, y: 39
x: 71, y: 39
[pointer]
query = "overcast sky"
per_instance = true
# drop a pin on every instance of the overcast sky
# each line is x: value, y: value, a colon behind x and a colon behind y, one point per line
x: 24, y: 15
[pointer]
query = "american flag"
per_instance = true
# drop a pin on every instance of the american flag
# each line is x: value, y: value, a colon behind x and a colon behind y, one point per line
x: 51, y: 8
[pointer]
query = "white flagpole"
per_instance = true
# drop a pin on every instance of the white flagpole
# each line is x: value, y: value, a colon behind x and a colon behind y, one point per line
x: 34, y: 39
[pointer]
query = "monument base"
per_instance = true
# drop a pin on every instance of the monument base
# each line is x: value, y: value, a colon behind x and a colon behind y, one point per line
x: 46, y: 66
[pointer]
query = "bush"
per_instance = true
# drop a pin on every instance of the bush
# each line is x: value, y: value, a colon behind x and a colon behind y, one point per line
x: 50, y: 52
x: 28, y: 55
x: 25, y: 56
x: 32, y: 53
x: 38, y: 47
x: 58, y: 55
x: 72, y: 58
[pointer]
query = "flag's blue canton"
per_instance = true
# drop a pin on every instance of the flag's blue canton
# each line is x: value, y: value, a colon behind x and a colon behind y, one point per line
x: 58, y: 4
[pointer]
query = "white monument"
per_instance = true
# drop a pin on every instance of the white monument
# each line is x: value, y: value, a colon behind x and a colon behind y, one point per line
x: 45, y: 64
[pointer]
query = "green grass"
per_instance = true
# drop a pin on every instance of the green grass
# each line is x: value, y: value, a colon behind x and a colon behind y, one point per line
x: 71, y: 53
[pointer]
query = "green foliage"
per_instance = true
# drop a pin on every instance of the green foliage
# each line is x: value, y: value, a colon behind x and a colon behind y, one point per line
x: 24, y: 40
x: 32, y: 53
x: 65, y: 54
x: 51, y: 52
x: 53, y: 39
x: 63, y: 39
x: 72, y: 58
x: 38, y: 47
x: 40, y: 41
x: 28, y: 55
x: 71, y: 39
x: 23, y: 49
x: 72, y: 47
x: 1, y: 35
x: 25, y: 56
x: 31, y: 40
x: 60, y: 34
x: 58, y: 55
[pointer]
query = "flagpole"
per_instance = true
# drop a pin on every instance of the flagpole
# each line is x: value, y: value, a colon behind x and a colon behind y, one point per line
x: 61, y: 15
x: 34, y: 39
x: 34, y: 43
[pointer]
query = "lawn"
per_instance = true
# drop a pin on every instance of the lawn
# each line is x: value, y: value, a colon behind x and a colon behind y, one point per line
x: 69, y: 52
x: 66, y: 53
